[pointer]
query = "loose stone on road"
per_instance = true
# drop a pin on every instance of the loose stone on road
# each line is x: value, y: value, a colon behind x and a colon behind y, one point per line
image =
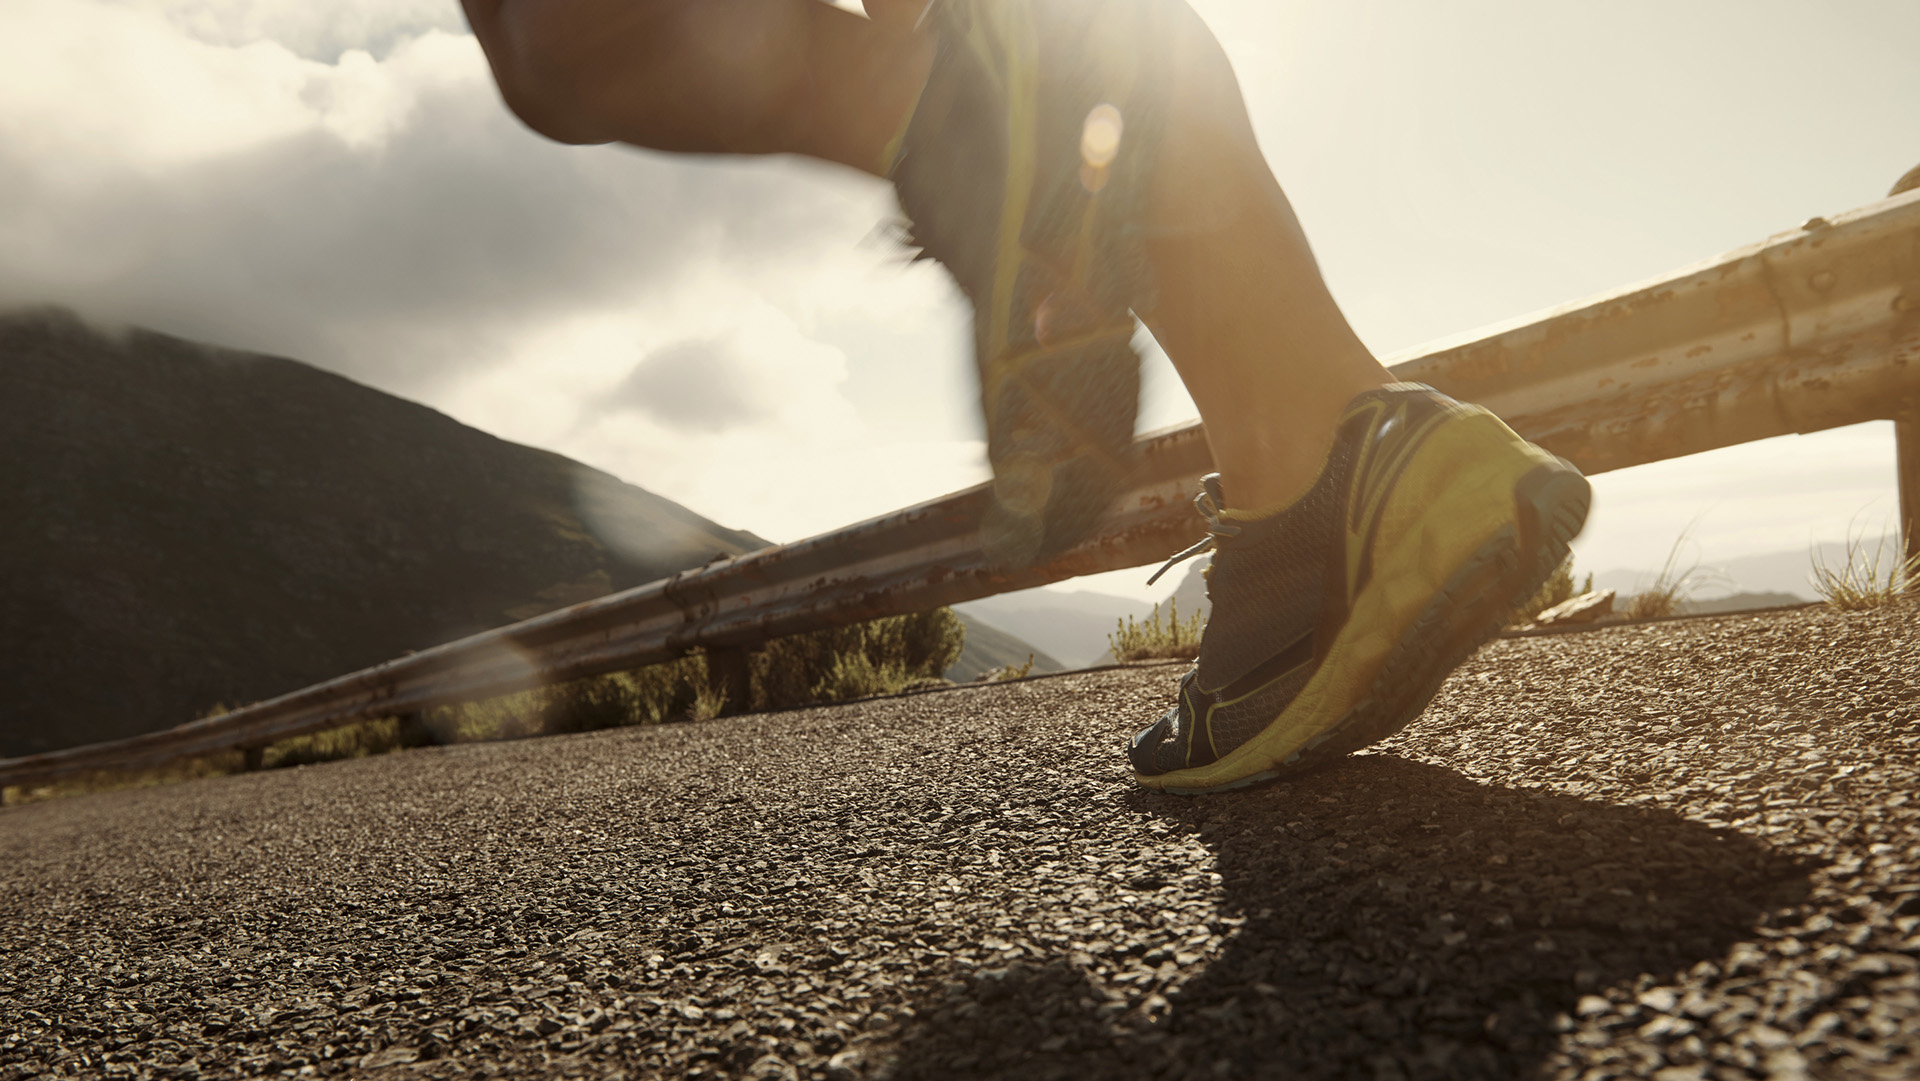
x: 1683, y: 850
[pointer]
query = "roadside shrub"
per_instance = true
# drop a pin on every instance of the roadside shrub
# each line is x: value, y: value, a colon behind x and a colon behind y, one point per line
x: 215, y: 764
x: 675, y: 691
x: 597, y: 702
x: 1006, y: 672
x: 356, y: 740
x: 883, y: 656
x: 1153, y: 639
x: 1557, y: 589
x: 856, y: 675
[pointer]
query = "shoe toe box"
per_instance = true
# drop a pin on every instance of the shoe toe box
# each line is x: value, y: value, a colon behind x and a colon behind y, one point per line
x: 1156, y: 748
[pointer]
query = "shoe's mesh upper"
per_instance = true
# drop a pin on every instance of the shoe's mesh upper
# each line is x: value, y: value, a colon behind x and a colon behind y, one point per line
x: 1267, y: 584
x: 1235, y: 724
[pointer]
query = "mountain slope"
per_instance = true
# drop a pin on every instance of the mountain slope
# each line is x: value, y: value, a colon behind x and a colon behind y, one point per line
x: 1737, y: 602
x: 1071, y: 625
x: 191, y: 525
x: 1191, y: 594
x: 988, y: 647
x: 1074, y: 625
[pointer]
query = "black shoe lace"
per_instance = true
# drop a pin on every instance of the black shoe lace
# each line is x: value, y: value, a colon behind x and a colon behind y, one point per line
x: 1211, y: 504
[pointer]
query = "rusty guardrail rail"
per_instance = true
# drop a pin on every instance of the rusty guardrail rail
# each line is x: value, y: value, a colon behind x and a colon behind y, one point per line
x: 1814, y: 328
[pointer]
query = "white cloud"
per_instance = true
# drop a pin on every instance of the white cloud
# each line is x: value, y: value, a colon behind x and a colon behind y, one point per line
x: 240, y: 192
x: 788, y: 456
x: 696, y: 385
x: 316, y: 31
x: 352, y: 193
x: 92, y: 88
x: 383, y: 217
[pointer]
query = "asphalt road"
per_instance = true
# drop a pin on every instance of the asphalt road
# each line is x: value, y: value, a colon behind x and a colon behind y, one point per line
x: 1684, y: 850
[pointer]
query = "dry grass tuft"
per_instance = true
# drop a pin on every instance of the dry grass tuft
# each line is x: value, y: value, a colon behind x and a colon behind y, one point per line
x: 1663, y: 597
x: 1869, y: 578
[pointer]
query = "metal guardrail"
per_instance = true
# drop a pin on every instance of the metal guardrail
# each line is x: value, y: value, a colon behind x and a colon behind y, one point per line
x: 1814, y: 328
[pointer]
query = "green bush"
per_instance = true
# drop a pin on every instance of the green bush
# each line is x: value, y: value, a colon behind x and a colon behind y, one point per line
x: 1006, y: 672
x: 884, y: 656
x: 376, y: 736
x: 1152, y: 639
x: 1557, y: 589
x: 675, y: 691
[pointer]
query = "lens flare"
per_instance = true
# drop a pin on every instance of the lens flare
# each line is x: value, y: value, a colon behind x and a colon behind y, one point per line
x: 1099, y: 143
x: 1100, y: 136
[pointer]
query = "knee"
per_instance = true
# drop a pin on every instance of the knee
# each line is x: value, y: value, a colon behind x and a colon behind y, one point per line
x: 556, y: 61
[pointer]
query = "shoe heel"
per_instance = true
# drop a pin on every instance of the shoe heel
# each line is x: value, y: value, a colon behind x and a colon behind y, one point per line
x: 1551, y: 502
x: 1550, y: 507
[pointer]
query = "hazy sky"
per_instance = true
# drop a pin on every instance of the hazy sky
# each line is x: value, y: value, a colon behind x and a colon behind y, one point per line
x: 337, y: 181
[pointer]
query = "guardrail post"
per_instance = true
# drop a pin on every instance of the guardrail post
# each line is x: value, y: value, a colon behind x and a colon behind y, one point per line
x: 255, y: 758
x: 1906, y: 456
x: 1906, y: 443
x: 730, y: 672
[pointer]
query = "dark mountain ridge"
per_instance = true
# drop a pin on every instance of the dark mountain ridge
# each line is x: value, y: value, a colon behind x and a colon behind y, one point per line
x: 187, y: 526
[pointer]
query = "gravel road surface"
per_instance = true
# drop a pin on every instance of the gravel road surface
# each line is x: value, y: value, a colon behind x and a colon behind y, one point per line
x: 1684, y: 850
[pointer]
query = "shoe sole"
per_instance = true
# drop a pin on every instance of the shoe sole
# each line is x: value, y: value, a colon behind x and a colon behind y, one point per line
x: 1549, y: 507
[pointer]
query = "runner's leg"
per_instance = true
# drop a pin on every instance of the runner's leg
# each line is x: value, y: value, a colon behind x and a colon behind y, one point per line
x: 1376, y: 533
x: 1241, y: 309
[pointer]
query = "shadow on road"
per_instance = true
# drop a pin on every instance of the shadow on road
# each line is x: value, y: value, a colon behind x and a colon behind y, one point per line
x: 1401, y: 921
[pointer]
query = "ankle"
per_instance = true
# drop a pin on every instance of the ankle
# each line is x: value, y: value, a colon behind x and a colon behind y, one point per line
x: 1273, y: 457
x: 1264, y: 477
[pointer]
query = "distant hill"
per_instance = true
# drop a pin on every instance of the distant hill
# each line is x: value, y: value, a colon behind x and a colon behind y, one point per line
x: 1072, y: 626
x: 1737, y: 602
x: 187, y: 525
x: 1191, y: 595
x: 988, y: 647
x: 1781, y: 572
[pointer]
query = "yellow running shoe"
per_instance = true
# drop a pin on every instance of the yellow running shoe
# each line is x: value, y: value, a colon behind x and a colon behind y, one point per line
x: 1336, y: 619
x: 1023, y: 169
